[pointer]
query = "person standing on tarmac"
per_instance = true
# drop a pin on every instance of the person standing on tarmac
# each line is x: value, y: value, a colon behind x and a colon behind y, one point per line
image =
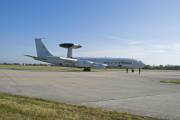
x: 139, y: 71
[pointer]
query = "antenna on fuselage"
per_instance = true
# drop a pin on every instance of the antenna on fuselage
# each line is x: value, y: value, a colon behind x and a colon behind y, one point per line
x: 70, y: 47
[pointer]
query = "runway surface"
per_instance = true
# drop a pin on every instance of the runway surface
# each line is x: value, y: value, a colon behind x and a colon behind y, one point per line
x: 115, y: 90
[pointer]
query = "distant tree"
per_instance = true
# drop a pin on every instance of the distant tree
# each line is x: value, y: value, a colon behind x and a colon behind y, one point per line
x: 162, y: 67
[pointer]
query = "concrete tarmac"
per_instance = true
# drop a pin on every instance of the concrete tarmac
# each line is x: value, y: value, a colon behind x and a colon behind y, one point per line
x: 115, y: 90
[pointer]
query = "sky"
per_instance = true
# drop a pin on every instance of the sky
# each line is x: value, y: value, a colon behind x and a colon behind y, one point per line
x: 148, y: 30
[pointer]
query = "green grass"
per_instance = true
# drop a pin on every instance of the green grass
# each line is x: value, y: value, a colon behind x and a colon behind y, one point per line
x: 170, y: 81
x: 50, y: 68
x: 13, y: 107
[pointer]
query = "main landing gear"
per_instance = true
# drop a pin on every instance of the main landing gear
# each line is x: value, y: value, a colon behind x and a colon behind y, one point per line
x: 87, y: 69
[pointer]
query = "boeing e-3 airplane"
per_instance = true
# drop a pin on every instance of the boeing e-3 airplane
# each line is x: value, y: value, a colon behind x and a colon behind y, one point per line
x: 83, y: 62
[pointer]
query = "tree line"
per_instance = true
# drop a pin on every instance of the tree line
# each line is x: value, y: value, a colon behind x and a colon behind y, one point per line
x: 150, y: 67
x: 162, y: 67
x: 25, y: 64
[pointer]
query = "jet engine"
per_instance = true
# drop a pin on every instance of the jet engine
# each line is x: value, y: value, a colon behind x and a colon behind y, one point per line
x: 99, y: 65
x: 89, y: 64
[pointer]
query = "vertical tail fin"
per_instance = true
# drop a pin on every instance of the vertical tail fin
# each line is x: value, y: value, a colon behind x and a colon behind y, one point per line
x: 41, y: 49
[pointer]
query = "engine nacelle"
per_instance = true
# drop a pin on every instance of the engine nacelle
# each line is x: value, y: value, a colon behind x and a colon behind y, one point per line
x: 83, y: 63
x: 86, y: 63
x: 99, y: 65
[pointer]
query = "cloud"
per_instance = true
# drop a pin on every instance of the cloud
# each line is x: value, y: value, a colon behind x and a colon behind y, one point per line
x: 176, y: 47
x: 135, y: 42
x: 127, y: 41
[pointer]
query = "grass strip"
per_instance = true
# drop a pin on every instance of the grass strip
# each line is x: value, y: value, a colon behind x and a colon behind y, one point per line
x: 14, y: 107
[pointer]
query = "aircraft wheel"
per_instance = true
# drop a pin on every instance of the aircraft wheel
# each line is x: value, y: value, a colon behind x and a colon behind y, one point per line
x: 132, y: 70
x: 87, y: 69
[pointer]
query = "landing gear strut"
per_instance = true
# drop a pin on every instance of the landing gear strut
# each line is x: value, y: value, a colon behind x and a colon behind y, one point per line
x: 87, y: 69
x: 139, y: 71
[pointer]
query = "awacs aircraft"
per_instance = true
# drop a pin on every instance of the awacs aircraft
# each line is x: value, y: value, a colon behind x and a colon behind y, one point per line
x: 86, y: 62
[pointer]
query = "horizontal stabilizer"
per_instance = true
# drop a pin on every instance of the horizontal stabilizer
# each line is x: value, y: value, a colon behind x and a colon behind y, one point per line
x: 36, y: 58
x: 30, y: 56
